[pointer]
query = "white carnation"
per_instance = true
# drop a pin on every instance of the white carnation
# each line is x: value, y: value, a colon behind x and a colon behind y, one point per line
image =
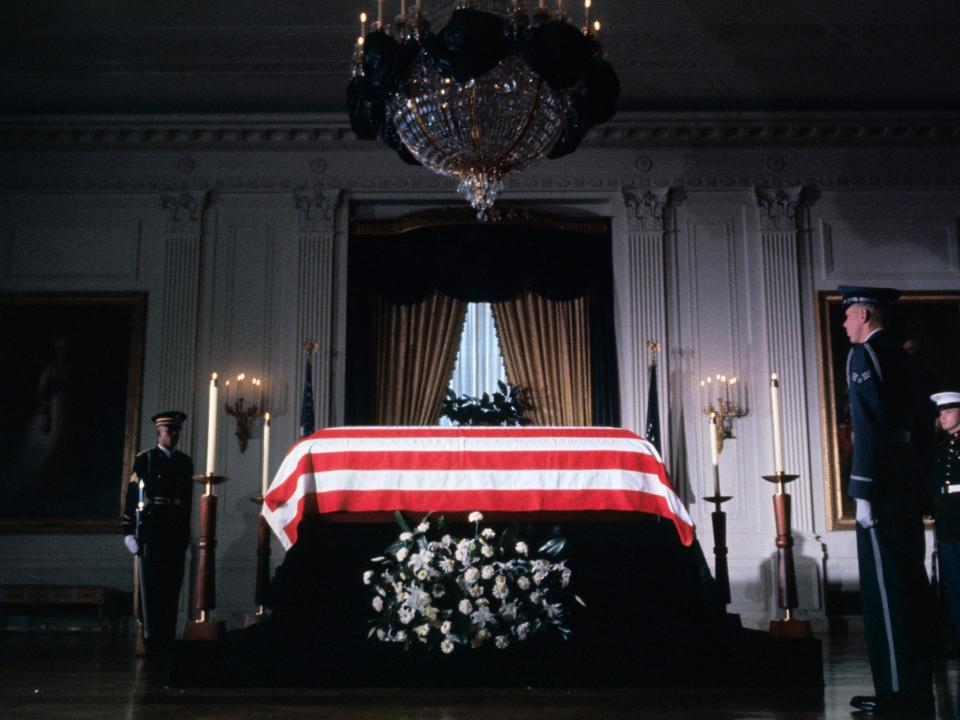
x: 404, y: 536
x: 471, y: 575
x: 447, y: 646
x: 446, y: 627
x: 475, y: 517
x: 423, y: 527
x: 521, y: 548
x: 502, y: 642
x: 402, y: 554
x: 368, y: 577
x: 487, y: 533
x: 465, y: 606
x: 523, y: 582
x: 486, y: 572
x: 377, y: 603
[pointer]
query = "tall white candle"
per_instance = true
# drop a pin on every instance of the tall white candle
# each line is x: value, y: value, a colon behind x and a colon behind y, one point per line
x: 714, y: 451
x: 212, y: 407
x: 265, y: 473
x: 775, y: 412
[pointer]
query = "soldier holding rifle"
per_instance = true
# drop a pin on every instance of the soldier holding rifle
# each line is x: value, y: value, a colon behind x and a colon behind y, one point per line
x: 156, y: 527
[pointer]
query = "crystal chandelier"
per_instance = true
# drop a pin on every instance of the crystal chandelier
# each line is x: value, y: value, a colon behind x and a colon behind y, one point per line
x: 496, y: 89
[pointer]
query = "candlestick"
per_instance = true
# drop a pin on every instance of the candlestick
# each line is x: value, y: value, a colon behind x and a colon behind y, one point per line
x: 265, y: 473
x: 212, y: 425
x: 775, y: 412
x: 715, y: 453
x: 379, y: 14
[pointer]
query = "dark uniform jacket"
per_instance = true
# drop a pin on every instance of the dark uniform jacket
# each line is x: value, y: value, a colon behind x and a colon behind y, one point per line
x: 946, y: 475
x: 168, y: 494
x: 884, y: 411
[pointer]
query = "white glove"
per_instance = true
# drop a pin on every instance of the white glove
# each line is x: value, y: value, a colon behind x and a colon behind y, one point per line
x: 865, y: 517
x: 131, y: 542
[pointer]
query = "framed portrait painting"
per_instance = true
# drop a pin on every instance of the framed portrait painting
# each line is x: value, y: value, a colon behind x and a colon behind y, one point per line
x: 928, y: 325
x: 70, y: 366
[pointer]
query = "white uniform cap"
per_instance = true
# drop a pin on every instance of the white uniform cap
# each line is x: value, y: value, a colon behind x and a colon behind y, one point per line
x: 945, y: 400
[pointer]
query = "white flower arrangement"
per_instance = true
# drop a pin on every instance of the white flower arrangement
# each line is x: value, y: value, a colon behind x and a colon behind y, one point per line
x: 468, y: 592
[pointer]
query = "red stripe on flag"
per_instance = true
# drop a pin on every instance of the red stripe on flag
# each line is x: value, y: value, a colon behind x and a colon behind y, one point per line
x: 439, y: 501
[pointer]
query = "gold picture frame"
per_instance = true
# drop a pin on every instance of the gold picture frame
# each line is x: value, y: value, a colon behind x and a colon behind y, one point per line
x: 72, y: 367
x: 931, y: 320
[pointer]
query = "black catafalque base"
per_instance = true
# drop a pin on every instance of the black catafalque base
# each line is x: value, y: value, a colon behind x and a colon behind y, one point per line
x: 652, y: 619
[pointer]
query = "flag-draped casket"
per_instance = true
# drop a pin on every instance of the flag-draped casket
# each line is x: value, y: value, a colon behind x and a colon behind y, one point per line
x: 462, y: 469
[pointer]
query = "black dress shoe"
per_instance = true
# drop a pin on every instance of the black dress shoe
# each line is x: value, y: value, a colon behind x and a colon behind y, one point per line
x: 864, y: 702
x: 896, y: 705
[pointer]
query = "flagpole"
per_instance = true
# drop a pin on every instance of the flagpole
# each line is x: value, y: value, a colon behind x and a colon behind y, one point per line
x: 307, y: 416
x: 652, y: 429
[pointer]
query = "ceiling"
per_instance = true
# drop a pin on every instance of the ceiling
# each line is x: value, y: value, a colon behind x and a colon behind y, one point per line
x: 280, y: 56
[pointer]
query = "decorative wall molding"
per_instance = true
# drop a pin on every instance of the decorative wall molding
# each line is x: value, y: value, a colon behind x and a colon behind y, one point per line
x: 401, y: 180
x: 627, y: 129
x: 781, y: 214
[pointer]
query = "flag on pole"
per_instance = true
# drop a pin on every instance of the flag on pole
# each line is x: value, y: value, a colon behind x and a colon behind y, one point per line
x: 652, y: 431
x: 307, y: 420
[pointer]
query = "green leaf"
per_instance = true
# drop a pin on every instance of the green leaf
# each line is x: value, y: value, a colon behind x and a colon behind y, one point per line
x: 402, y: 521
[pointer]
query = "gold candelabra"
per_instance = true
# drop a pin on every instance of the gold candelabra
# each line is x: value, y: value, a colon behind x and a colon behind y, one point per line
x: 244, y: 409
x: 728, y: 405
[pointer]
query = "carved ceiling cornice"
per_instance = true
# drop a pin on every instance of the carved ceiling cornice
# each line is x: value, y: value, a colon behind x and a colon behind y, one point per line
x: 627, y: 130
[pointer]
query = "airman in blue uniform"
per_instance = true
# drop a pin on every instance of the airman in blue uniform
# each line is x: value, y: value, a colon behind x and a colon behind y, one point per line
x: 886, y: 483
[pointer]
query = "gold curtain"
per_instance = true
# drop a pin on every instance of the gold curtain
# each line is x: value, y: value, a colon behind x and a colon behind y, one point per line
x: 416, y: 348
x: 546, y: 349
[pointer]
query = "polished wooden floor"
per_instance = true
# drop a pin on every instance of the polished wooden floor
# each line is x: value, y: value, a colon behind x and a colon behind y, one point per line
x: 53, y: 676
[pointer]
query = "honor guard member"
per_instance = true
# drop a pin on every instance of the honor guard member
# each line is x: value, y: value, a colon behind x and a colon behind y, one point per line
x: 156, y: 527
x: 886, y: 483
x: 946, y: 476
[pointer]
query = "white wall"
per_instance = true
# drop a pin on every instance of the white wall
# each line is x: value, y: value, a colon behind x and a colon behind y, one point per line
x: 237, y: 232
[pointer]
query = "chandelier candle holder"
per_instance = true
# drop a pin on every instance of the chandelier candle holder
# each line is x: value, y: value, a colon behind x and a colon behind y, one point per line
x: 789, y: 627
x: 722, y: 409
x: 237, y: 406
x: 497, y: 88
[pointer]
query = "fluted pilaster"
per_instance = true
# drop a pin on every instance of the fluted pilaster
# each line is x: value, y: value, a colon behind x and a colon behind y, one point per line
x: 781, y: 218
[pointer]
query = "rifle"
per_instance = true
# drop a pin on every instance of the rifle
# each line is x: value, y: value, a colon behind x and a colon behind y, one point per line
x: 139, y: 584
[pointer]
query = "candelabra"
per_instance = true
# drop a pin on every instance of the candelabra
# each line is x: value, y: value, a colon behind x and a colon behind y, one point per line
x: 725, y: 408
x: 239, y: 409
x: 722, y: 411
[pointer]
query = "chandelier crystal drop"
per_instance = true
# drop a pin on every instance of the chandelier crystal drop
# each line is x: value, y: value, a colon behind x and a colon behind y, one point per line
x: 487, y: 95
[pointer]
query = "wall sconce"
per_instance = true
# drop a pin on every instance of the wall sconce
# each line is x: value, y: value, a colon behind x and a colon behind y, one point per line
x: 728, y: 405
x: 236, y: 406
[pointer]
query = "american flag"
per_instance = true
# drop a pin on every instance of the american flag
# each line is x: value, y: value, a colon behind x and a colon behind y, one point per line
x: 462, y: 469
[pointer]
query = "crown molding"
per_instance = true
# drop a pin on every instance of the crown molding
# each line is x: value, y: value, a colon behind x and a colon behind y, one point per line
x: 331, y: 131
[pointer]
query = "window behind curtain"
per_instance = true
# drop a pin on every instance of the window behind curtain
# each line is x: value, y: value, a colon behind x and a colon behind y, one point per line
x: 479, y: 361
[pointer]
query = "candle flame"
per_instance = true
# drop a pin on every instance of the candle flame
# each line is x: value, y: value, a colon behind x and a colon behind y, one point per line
x: 732, y: 380
x: 586, y: 3
x: 596, y: 26
x: 213, y: 377
x: 266, y: 416
x: 241, y: 376
x: 773, y: 376
x: 360, y: 40
x: 363, y: 17
x: 703, y: 383
x: 226, y: 384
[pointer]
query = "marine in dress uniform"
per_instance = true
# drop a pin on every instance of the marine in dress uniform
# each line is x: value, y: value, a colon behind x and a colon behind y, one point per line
x: 158, y: 531
x: 886, y: 482
x: 946, y: 476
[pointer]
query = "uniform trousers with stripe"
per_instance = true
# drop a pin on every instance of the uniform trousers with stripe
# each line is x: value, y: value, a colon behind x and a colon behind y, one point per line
x: 897, y: 608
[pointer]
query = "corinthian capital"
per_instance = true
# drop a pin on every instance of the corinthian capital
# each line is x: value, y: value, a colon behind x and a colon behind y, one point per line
x: 779, y: 207
x: 316, y: 208
x: 645, y: 207
x: 186, y: 206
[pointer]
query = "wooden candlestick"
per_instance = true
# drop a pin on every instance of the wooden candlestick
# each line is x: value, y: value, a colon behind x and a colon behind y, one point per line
x: 203, y: 628
x: 789, y: 627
